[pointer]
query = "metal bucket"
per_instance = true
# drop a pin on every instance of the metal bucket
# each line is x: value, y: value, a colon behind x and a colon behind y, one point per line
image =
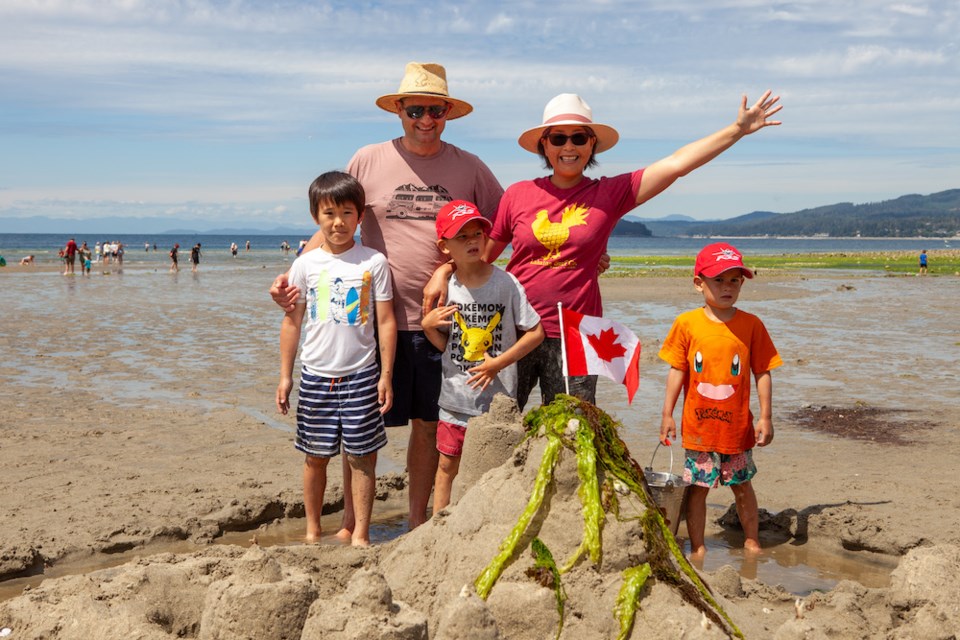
x: 667, y: 489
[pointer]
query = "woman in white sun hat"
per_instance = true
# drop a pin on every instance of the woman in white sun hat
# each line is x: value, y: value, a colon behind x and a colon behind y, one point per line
x: 559, y: 224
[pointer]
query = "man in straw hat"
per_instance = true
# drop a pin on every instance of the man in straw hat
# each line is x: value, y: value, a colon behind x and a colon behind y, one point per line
x: 407, y: 180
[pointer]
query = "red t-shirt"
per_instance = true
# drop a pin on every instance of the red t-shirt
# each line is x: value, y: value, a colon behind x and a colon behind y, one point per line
x: 558, y: 236
x: 71, y: 248
x: 718, y: 358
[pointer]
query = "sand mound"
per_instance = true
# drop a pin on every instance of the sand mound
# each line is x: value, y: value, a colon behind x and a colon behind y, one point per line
x: 421, y: 585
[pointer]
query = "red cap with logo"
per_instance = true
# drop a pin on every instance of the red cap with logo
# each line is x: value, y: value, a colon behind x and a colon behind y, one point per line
x: 717, y: 258
x: 454, y: 215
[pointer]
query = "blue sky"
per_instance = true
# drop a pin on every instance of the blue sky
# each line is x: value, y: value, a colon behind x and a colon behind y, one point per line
x: 224, y: 110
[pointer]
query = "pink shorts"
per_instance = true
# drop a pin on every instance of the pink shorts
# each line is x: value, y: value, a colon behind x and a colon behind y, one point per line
x: 450, y: 438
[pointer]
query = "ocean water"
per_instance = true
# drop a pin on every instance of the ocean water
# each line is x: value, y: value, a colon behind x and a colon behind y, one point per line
x: 216, y: 248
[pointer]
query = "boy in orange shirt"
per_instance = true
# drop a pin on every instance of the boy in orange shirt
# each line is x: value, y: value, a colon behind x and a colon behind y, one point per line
x: 711, y: 352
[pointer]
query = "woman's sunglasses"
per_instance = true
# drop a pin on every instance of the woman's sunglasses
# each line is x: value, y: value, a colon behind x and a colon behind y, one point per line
x: 436, y: 111
x: 559, y: 139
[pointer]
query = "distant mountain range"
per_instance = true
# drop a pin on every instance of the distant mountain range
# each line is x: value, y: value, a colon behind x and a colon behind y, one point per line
x: 934, y: 215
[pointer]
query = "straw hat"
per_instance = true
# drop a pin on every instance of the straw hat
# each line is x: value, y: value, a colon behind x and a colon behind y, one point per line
x: 569, y: 108
x: 424, y: 79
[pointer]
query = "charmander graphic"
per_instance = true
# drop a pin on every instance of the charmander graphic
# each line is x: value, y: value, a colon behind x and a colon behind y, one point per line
x: 717, y: 375
x: 553, y: 235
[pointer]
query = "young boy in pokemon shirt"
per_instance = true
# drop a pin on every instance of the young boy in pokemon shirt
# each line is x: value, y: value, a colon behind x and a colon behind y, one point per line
x: 712, y: 351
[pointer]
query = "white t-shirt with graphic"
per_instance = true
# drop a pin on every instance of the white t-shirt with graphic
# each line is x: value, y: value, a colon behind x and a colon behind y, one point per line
x: 341, y: 292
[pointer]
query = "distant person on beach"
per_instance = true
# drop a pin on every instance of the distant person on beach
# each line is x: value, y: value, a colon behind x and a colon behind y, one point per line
x: 195, y: 257
x: 407, y: 180
x: 484, y: 328
x: 27, y: 261
x: 96, y: 251
x: 285, y: 248
x: 712, y: 352
x: 923, y: 263
x: 233, y: 249
x: 343, y: 391
x: 558, y: 225
x: 86, y: 261
x: 248, y: 245
x: 175, y: 258
x: 70, y: 257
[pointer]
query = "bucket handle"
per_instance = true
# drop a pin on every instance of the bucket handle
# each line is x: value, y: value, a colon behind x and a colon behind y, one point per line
x: 670, y: 449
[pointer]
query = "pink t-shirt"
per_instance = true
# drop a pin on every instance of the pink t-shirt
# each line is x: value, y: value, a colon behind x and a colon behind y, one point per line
x: 404, y: 193
x: 558, y: 236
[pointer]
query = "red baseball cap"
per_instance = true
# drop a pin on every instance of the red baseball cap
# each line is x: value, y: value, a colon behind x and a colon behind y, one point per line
x: 454, y: 215
x: 717, y: 258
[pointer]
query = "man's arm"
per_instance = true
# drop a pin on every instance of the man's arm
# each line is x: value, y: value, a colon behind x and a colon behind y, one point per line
x: 282, y: 293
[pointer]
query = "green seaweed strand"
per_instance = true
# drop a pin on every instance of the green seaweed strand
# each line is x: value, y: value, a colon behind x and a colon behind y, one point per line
x: 551, y: 454
x: 628, y: 599
x: 544, y: 559
x: 589, y: 492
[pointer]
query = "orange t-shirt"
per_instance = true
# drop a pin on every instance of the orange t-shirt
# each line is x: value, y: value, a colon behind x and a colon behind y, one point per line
x: 716, y: 388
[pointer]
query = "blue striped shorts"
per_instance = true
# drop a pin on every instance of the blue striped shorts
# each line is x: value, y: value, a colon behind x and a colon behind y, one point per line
x: 335, y: 410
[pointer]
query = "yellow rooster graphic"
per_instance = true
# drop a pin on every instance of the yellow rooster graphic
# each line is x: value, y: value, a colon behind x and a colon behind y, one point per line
x: 552, y: 235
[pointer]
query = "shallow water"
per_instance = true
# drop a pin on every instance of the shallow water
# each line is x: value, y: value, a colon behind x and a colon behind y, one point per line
x: 142, y: 338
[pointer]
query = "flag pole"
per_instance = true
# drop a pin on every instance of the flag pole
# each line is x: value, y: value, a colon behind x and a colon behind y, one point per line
x: 563, y: 349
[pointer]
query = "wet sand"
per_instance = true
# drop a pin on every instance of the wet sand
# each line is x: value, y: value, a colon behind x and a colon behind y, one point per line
x: 138, y: 412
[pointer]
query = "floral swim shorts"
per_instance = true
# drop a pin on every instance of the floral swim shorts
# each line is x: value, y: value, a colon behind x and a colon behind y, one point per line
x: 710, y: 469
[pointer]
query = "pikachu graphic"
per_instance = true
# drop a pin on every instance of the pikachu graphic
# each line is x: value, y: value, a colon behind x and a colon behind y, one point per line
x: 475, y: 340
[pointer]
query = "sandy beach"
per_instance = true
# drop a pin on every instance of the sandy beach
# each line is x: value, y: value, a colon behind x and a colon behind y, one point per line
x: 139, y: 434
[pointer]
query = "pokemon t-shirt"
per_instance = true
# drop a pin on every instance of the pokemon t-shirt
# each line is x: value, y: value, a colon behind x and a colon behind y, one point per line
x: 489, y: 320
x: 341, y: 295
x: 558, y: 236
x: 718, y: 359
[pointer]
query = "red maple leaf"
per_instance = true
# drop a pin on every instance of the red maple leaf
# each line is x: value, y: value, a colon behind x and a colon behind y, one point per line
x: 606, y: 345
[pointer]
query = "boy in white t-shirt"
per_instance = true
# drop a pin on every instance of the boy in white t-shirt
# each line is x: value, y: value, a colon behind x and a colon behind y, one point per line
x: 343, y: 392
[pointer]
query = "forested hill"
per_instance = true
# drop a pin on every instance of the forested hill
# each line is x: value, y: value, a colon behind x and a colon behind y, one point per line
x: 934, y: 215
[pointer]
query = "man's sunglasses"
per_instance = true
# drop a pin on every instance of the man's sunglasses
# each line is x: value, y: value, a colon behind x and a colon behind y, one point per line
x: 559, y: 139
x: 436, y: 111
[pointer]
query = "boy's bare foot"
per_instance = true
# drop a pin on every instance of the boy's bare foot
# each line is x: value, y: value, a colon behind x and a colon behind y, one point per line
x: 698, y: 554
x: 365, y: 542
x: 311, y: 538
x: 344, y: 535
x: 752, y: 547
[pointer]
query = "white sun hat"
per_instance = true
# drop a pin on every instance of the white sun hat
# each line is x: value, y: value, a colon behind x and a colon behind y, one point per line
x: 569, y: 108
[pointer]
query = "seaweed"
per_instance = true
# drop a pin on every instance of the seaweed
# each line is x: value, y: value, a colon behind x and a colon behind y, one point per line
x: 488, y: 577
x: 546, y: 573
x: 569, y: 422
x: 628, y: 599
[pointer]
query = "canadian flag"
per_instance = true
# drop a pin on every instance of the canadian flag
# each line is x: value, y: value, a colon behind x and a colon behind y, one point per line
x: 597, y: 346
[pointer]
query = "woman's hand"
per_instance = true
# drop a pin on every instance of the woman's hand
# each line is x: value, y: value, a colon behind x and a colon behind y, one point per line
x: 435, y: 292
x: 754, y: 118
